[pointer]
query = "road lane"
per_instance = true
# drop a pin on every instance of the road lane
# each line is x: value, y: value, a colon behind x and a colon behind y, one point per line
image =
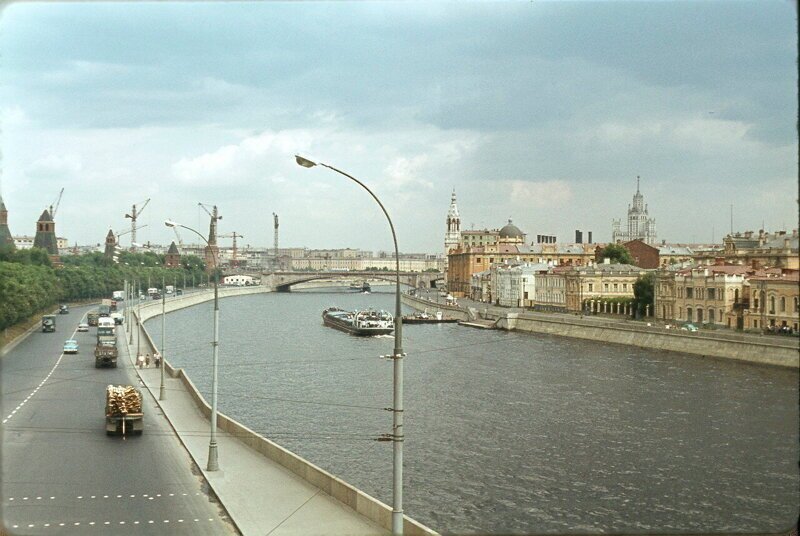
x: 59, y: 469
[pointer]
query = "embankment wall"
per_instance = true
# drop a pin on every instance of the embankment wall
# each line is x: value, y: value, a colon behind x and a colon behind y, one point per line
x: 785, y: 354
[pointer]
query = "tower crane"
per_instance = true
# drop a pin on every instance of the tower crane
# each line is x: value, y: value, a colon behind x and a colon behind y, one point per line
x: 234, y: 235
x: 57, y: 203
x: 134, y: 214
x: 180, y: 240
x: 117, y: 235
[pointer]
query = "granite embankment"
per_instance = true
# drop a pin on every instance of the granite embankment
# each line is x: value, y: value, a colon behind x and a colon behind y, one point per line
x: 775, y: 350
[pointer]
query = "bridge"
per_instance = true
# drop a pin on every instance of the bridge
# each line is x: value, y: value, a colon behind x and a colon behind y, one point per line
x: 283, y: 281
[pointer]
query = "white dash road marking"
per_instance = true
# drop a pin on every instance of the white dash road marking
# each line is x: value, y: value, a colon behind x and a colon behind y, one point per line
x: 58, y: 362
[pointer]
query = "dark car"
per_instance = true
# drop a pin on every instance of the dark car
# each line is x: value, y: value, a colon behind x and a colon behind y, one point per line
x: 179, y: 292
x: 156, y: 296
x: 63, y: 309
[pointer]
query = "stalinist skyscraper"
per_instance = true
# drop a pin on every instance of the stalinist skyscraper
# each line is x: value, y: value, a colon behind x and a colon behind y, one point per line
x: 640, y: 225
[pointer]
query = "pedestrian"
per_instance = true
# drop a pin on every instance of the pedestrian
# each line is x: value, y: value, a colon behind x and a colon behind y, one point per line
x: 157, y: 359
x: 147, y: 361
x: 140, y: 361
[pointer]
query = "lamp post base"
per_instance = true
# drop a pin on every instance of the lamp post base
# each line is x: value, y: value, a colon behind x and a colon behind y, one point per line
x: 162, y: 392
x: 213, y: 464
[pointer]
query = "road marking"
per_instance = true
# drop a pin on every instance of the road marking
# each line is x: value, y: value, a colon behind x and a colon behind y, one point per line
x: 58, y: 362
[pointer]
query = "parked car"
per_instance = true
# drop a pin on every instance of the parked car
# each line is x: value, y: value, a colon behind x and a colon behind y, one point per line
x: 83, y: 326
x: 71, y: 346
x: 179, y: 292
x: 156, y: 296
x: 63, y: 309
x: 688, y: 326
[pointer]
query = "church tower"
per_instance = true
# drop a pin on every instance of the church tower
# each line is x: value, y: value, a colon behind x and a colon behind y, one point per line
x: 46, y: 236
x: 453, y: 235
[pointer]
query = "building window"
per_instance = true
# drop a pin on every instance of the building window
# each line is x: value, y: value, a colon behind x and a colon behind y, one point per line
x: 796, y: 305
x: 712, y: 294
x: 783, y: 305
x: 624, y: 286
x: 616, y: 287
x: 690, y: 293
x: 591, y: 289
x: 680, y: 292
x: 479, y: 260
x: 772, y: 305
x: 605, y: 286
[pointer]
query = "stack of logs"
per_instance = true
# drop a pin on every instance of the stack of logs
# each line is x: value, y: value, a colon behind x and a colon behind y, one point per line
x: 122, y: 399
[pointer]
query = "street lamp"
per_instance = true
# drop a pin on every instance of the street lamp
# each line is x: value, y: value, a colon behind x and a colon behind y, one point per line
x: 213, y: 464
x: 397, y: 411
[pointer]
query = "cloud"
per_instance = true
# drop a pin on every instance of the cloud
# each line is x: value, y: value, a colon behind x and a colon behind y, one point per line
x: 56, y: 166
x: 539, y: 193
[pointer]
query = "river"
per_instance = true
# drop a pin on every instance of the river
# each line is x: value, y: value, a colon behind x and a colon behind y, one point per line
x: 508, y: 432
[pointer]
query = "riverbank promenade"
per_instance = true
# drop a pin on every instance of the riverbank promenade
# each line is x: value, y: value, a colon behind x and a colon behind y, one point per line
x: 261, y: 496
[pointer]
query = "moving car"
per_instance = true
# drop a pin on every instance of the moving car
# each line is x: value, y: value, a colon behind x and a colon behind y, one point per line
x: 689, y: 327
x: 63, y: 309
x: 83, y: 326
x: 117, y: 318
x: 71, y: 346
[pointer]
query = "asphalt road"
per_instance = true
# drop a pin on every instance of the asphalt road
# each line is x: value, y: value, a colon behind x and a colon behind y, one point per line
x: 61, y: 474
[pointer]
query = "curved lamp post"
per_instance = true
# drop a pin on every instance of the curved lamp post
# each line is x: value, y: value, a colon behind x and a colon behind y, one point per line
x: 397, y: 411
x: 213, y: 463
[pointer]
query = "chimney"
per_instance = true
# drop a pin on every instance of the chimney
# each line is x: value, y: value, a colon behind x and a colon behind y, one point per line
x: 590, y: 237
x: 578, y: 237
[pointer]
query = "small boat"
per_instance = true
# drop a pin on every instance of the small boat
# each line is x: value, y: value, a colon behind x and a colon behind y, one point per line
x: 362, y: 323
x: 425, y: 318
x: 363, y: 287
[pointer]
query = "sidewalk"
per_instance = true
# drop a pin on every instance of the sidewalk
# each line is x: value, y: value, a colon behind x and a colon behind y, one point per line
x: 260, y: 496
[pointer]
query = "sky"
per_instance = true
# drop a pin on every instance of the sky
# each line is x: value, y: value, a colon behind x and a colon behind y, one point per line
x: 540, y: 112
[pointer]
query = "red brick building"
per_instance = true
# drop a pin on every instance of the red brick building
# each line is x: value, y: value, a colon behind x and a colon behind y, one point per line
x: 644, y: 255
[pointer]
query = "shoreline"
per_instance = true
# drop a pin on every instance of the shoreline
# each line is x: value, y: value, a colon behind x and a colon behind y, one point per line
x: 655, y: 338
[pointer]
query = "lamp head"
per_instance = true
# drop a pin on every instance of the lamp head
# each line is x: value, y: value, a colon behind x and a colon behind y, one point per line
x: 170, y: 223
x: 305, y: 162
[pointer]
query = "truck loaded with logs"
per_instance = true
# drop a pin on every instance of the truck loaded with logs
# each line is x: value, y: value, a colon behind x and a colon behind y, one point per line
x: 124, y: 410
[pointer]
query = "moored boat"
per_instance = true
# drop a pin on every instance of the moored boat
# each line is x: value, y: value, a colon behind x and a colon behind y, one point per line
x: 426, y: 318
x: 362, y: 323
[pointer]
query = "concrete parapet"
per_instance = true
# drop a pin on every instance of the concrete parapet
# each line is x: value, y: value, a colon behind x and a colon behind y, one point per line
x: 420, y: 303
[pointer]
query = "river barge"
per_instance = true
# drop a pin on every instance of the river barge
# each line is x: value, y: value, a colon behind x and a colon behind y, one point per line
x: 361, y: 323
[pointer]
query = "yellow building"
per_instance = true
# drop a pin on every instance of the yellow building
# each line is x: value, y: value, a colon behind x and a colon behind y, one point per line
x: 593, y: 285
x: 774, y: 301
x: 705, y: 294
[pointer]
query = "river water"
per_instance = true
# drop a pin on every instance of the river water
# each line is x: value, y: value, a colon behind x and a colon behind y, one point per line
x: 508, y: 432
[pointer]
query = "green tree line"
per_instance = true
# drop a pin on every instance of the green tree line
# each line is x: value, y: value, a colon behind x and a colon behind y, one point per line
x: 30, y: 284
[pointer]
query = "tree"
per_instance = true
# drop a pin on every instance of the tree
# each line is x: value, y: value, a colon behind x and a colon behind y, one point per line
x: 617, y: 253
x: 644, y: 291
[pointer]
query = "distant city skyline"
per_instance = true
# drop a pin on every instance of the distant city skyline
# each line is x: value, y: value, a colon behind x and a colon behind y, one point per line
x: 544, y: 113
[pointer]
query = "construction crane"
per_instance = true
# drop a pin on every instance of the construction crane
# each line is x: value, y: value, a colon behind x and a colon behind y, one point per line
x: 123, y: 233
x: 275, y: 217
x: 234, y: 235
x: 57, y: 203
x: 133, y: 216
x: 212, y: 229
x: 180, y: 240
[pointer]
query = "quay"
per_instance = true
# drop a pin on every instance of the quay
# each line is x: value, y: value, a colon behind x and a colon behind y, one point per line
x: 773, y: 350
x: 265, y: 488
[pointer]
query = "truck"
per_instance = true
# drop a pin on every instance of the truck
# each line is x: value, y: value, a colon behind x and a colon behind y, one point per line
x: 92, y: 318
x: 118, y: 295
x: 48, y: 323
x: 170, y: 289
x: 111, y: 304
x: 152, y: 290
x: 105, y: 355
x: 124, y: 413
x: 105, y: 332
x: 104, y: 310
